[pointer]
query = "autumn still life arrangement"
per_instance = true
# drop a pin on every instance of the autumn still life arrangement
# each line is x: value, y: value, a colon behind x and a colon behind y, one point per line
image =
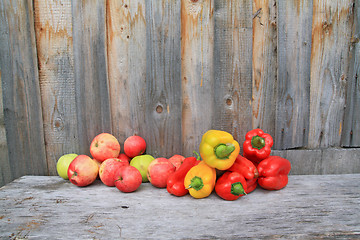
x: 218, y: 167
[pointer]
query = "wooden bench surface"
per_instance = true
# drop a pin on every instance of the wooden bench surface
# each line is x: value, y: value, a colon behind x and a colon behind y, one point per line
x: 310, y: 206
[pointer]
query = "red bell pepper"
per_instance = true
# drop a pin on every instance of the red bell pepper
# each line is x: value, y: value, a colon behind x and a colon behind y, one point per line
x: 251, y: 185
x: 175, y: 182
x: 245, y: 167
x: 257, y: 145
x: 273, y: 173
x: 230, y: 186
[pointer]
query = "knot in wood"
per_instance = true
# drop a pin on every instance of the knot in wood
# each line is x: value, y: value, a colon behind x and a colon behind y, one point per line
x: 159, y: 109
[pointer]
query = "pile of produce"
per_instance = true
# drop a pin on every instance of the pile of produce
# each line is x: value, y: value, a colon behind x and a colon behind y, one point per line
x: 219, y: 167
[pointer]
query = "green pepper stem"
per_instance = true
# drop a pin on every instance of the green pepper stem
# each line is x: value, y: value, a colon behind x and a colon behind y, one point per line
x: 197, y: 155
x: 222, y: 151
x: 258, y: 142
x: 196, y: 183
x: 237, y: 189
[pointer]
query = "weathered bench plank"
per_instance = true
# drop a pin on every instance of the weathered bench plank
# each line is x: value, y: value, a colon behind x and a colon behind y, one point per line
x: 52, y: 208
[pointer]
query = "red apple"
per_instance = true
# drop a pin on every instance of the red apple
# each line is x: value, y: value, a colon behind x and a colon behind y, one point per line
x: 123, y: 156
x: 99, y: 164
x: 134, y: 146
x: 128, y: 179
x: 104, y: 146
x: 82, y: 171
x: 108, y: 169
x: 159, y: 171
x: 177, y: 160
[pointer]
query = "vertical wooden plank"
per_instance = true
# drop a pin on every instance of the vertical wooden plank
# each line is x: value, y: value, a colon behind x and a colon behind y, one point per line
x: 54, y: 42
x: 5, y: 166
x: 293, y: 86
x: 232, y: 66
x: 351, y: 132
x: 21, y: 92
x: 197, y: 73
x: 331, y: 32
x: 90, y: 64
x: 264, y: 65
x: 163, y: 68
x: 126, y: 53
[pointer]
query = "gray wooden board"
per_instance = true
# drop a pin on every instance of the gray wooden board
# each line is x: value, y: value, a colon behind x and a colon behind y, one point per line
x: 20, y: 88
x: 163, y: 78
x: 54, y: 44
x: 351, y: 132
x: 232, y: 67
x: 197, y: 73
x: 5, y: 165
x: 303, y: 162
x: 322, y: 161
x: 331, y: 29
x: 335, y: 161
x: 264, y: 65
x: 90, y: 71
x: 316, y: 206
x: 293, y: 85
x: 126, y: 56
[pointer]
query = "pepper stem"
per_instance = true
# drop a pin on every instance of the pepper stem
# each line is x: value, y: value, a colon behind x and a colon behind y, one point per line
x: 197, y: 155
x: 237, y: 189
x: 258, y: 142
x: 196, y: 183
x: 222, y: 151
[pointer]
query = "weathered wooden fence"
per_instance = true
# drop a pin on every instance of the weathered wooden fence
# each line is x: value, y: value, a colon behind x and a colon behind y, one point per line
x: 169, y: 70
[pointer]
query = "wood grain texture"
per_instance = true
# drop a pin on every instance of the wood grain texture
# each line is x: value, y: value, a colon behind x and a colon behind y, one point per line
x: 340, y: 161
x: 197, y: 72
x: 322, y: 161
x: 90, y: 65
x: 232, y: 67
x: 293, y: 80
x: 5, y: 169
x: 54, y: 42
x: 171, y: 70
x: 20, y: 88
x: 309, y: 207
x: 303, y: 162
x: 351, y: 132
x: 126, y: 54
x: 163, y: 80
x: 264, y: 65
x: 331, y: 32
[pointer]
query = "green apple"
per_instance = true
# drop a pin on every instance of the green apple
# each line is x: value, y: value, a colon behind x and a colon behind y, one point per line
x: 142, y: 162
x: 63, y: 164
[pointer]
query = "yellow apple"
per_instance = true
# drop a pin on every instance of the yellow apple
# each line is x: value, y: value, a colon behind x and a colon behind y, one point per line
x: 63, y: 163
x: 142, y: 162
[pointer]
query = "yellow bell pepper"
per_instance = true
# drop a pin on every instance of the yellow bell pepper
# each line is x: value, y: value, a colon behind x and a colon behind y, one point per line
x: 200, y: 180
x: 219, y: 149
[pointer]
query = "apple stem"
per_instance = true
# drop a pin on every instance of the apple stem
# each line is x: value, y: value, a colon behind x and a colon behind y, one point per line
x: 74, y: 174
x: 119, y: 179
